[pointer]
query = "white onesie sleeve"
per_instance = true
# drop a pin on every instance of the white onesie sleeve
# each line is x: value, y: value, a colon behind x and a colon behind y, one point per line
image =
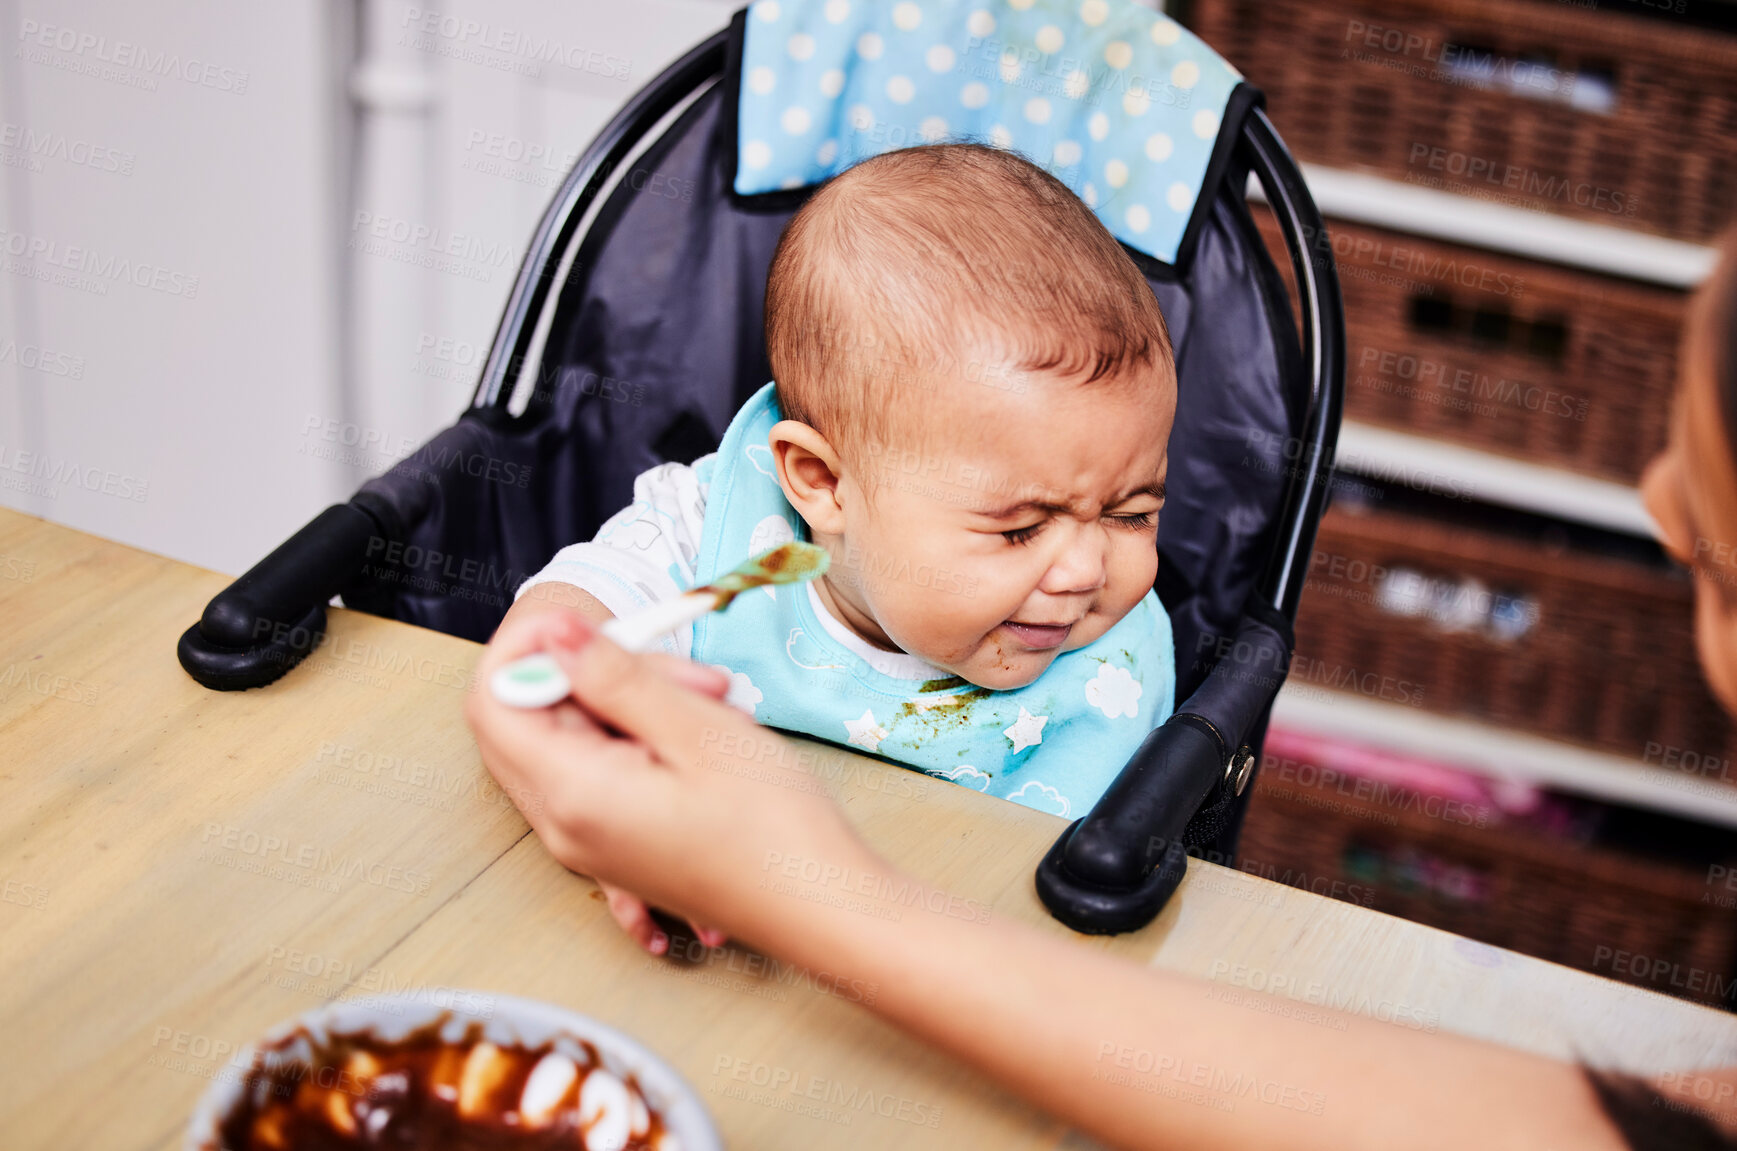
x: 644, y: 553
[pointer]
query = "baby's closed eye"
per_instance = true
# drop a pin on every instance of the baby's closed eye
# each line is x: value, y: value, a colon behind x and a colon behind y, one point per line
x: 1137, y: 521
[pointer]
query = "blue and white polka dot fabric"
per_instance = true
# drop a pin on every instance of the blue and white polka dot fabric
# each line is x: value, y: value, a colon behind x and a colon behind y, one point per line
x: 1120, y: 103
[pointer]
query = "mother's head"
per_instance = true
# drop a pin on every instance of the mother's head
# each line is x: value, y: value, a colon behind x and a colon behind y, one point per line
x: 1691, y: 488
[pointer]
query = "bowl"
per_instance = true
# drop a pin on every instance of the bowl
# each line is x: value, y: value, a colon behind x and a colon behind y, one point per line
x: 504, y: 1020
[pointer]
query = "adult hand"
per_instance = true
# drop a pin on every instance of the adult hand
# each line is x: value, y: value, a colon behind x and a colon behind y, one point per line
x: 638, y: 780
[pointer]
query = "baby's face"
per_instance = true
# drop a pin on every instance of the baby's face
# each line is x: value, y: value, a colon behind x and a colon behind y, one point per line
x: 1026, y: 528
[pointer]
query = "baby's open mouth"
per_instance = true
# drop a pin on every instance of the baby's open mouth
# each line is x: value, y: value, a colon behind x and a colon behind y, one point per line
x: 1039, y: 637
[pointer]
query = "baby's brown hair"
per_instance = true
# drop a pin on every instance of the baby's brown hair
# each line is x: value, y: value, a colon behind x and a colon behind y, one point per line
x: 899, y: 263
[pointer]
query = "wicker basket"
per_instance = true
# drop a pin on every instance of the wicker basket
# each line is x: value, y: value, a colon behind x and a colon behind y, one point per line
x: 1503, y: 354
x: 1608, y: 658
x: 1610, y: 117
x: 1503, y: 883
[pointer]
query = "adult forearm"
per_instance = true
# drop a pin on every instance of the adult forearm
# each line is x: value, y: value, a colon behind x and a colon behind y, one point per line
x: 1142, y: 1058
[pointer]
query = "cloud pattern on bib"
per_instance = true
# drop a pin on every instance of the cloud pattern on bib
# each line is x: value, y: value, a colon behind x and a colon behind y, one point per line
x: 1120, y: 103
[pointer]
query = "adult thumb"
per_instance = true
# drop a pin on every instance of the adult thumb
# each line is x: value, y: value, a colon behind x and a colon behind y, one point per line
x: 628, y: 692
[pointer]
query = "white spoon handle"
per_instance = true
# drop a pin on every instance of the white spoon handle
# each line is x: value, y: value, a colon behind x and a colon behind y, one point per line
x: 536, y: 681
x: 639, y: 631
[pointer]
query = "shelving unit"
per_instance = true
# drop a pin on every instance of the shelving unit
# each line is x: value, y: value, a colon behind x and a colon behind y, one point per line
x: 1504, y: 754
x: 1370, y: 451
x: 1378, y: 452
x: 1515, y: 281
x: 1382, y: 453
x: 1500, y: 227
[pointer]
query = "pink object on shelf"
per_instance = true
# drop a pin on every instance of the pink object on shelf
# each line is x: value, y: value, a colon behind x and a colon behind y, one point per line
x: 1408, y: 772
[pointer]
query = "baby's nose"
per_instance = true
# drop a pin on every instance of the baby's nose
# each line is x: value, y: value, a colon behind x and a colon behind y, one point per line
x: 1082, y: 566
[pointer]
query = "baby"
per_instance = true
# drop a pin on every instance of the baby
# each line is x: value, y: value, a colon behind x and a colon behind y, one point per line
x: 973, y: 393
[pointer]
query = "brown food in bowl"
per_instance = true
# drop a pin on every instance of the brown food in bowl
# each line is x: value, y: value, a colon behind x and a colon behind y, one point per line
x: 359, y: 1090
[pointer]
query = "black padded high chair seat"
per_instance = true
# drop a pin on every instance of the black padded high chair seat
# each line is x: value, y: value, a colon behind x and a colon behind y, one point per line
x: 656, y: 339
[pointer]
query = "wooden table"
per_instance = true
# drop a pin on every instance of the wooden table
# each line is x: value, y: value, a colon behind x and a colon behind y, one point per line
x: 182, y: 868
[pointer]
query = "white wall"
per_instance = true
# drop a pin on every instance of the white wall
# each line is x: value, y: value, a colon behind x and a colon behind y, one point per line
x: 180, y: 282
x: 515, y: 90
x: 233, y: 144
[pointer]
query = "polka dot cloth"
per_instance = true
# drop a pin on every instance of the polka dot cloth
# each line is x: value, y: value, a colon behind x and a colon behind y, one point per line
x: 1123, y: 105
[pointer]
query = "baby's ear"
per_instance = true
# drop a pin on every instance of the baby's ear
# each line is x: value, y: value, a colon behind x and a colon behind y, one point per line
x: 808, y: 468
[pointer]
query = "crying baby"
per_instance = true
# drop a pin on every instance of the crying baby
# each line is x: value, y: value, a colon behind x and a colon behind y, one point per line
x: 972, y: 395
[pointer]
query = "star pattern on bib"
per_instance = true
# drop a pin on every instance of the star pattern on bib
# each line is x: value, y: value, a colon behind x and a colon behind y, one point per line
x: 1027, y: 730
x: 864, y: 731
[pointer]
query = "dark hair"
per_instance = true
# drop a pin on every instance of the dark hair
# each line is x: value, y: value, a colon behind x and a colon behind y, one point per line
x: 1648, y: 1121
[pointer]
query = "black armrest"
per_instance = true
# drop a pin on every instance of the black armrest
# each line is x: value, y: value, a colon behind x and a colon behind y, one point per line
x: 1112, y: 870
x: 264, y: 623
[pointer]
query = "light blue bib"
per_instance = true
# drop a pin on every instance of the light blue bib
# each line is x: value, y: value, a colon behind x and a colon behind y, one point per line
x: 1054, y: 745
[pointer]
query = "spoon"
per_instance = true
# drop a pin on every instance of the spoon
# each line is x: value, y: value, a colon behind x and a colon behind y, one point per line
x: 537, y: 681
